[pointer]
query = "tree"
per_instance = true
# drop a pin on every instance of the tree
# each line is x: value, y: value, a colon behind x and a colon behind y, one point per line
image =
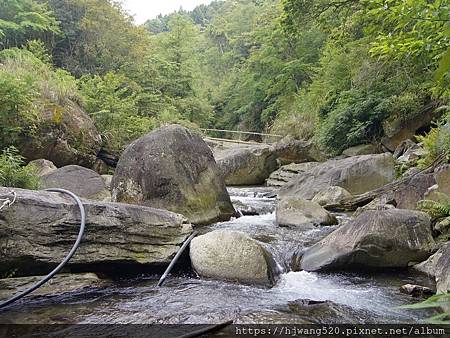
x: 22, y: 20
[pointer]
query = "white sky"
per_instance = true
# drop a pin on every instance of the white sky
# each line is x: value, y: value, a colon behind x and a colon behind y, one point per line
x: 143, y: 10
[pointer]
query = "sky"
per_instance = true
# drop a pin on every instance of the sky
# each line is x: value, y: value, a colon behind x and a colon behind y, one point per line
x: 142, y: 10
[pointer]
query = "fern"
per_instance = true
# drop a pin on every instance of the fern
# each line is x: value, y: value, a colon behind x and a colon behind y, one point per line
x: 436, y: 301
x: 435, y: 209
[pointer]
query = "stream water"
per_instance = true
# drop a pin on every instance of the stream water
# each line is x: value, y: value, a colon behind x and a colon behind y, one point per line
x: 364, y: 298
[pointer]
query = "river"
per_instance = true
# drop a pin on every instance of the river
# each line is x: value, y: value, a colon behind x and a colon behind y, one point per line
x: 364, y: 298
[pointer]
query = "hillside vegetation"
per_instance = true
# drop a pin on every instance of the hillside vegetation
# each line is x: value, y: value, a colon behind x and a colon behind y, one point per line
x: 337, y: 72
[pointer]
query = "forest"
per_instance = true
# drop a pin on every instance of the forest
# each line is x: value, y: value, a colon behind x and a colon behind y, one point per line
x: 333, y: 71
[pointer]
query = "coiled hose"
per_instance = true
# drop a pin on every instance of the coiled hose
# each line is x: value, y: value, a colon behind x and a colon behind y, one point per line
x: 66, y: 259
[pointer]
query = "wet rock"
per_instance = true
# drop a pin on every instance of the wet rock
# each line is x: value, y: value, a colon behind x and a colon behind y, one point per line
x: 43, y: 167
x: 438, y: 267
x: 250, y: 165
x: 357, y: 175
x: 362, y: 149
x: 416, y: 290
x: 81, y: 181
x: 324, y: 312
x: 232, y: 256
x: 60, y: 284
x: 289, y: 151
x: 64, y: 137
x: 373, y: 240
x: 331, y: 195
x: 303, y: 214
x: 254, y: 207
x: 38, y: 231
x: 173, y: 168
x: 288, y: 172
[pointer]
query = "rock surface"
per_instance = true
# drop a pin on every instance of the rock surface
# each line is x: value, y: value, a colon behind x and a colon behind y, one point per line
x: 288, y: 172
x: 416, y: 290
x: 303, y: 214
x: 233, y: 256
x: 438, y: 267
x: 81, y: 181
x: 65, y: 137
x: 173, y: 168
x: 362, y: 149
x: 250, y: 165
x: 60, y: 284
x: 289, y: 151
x: 331, y: 195
x: 442, y: 177
x: 357, y: 175
x: 412, y: 191
x: 375, y: 239
x: 43, y: 167
x: 37, y: 232
x: 397, y: 130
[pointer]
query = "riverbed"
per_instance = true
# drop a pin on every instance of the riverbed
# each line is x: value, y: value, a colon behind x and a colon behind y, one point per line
x: 185, y: 298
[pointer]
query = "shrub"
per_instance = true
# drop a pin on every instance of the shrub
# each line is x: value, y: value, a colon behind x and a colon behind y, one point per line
x: 436, y: 142
x: 28, y: 86
x: 354, y: 119
x: 113, y: 102
x: 14, y: 173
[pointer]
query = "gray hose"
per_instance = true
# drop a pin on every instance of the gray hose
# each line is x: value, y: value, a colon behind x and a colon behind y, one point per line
x: 64, y: 262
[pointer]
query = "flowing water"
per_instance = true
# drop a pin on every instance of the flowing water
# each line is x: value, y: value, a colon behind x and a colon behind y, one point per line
x: 364, y: 298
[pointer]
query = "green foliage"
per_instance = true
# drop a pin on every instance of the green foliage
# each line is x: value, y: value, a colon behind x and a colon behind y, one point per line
x: 113, y: 101
x: 23, y: 19
x: 28, y: 87
x: 14, y: 173
x: 436, y: 142
x: 437, y: 210
x: 436, y: 301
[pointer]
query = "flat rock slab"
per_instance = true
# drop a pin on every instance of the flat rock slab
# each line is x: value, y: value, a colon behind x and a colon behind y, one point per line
x: 37, y: 232
x: 62, y: 283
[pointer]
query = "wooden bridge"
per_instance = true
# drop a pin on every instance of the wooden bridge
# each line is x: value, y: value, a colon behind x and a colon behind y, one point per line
x: 221, y: 135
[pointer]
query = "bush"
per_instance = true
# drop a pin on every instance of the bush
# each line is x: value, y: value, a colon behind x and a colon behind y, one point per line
x: 14, y: 173
x: 113, y: 102
x: 29, y: 87
x: 355, y: 119
x: 436, y: 142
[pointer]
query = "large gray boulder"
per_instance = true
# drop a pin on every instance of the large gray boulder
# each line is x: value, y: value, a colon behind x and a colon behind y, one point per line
x: 39, y: 229
x: 356, y: 174
x: 173, y: 168
x: 412, y: 190
x: 303, y: 214
x: 233, y: 256
x: 43, y: 167
x: 286, y: 173
x: 362, y: 149
x: 438, y: 267
x: 331, y: 196
x: 289, y: 151
x: 64, y: 136
x: 83, y: 182
x: 375, y: 239
x: 249, y: 165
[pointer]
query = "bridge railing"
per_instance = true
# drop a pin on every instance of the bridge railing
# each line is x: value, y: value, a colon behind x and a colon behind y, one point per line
x: 238, y: 136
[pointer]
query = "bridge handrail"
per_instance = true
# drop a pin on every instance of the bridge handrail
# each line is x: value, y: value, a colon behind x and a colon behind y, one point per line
x: 241, y: 132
